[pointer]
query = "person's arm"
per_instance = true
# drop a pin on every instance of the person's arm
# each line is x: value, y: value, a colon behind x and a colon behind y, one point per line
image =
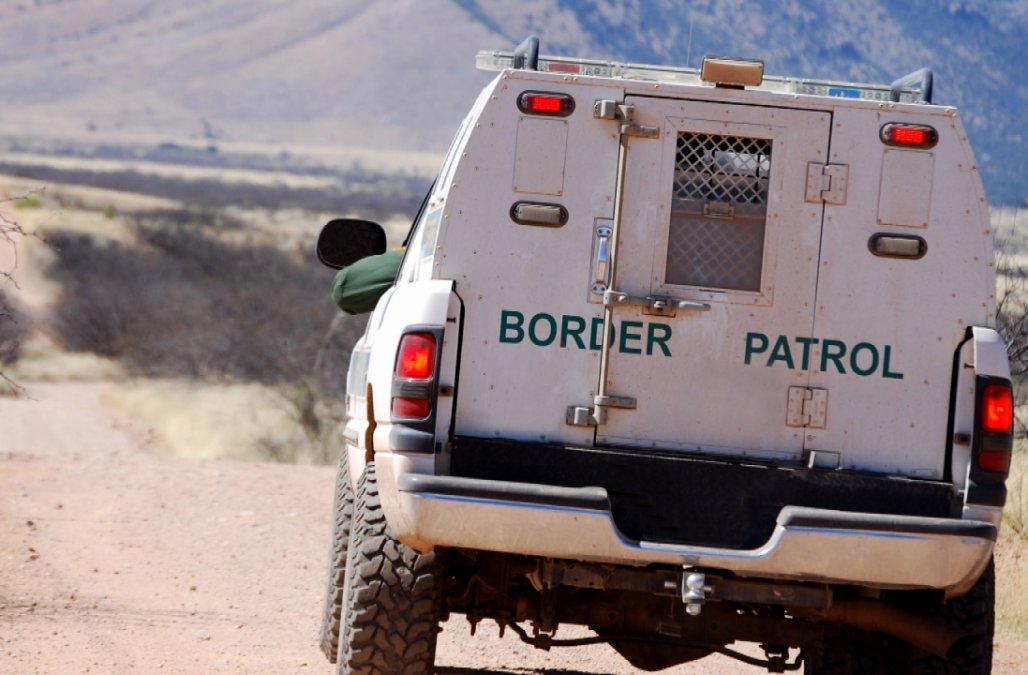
x: 357, y: 288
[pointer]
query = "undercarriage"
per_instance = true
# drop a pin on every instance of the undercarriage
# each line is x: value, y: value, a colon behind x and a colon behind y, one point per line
x: 657, y: 617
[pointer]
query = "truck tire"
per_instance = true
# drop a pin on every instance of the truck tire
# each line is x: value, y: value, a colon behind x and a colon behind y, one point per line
x: 973, y: 614
x: 342, y: 510
x: 391, y: 602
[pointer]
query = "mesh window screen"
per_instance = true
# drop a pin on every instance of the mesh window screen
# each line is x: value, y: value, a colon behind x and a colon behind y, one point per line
x: 718, y: 211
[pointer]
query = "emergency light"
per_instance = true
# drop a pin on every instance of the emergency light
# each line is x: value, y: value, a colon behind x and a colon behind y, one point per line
x: 909, y: 135
x: 544, y: 103
x: 907, y: 89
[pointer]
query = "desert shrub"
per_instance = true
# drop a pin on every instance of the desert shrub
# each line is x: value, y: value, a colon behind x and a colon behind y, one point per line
x: 1012, y: 324
x: 374, y: 194
x: 1012, y: 315
x: 13, y: 331
x: 181, y: 303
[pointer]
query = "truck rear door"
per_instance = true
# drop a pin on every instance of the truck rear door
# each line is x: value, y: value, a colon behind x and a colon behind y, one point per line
x: 713, y: 212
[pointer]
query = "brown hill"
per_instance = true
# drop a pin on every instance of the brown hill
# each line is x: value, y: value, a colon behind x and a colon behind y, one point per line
x: 317, y: 72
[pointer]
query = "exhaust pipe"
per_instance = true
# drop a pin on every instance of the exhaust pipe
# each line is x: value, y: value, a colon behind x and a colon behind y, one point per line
x: 924, y: 633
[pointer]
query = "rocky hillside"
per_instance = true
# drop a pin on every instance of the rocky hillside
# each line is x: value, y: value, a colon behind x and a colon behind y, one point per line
x: 398, y: 74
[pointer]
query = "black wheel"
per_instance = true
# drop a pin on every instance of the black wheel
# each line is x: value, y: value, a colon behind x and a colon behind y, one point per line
x: 343, y: 514
x: 391, y: 606
x: 973, y: 614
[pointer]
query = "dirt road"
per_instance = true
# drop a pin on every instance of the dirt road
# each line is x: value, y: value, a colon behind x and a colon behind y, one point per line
x: 116, y: 559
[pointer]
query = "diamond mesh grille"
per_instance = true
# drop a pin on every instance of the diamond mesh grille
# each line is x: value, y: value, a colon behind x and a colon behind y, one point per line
x: 719, y: 168
x: 719, y: 209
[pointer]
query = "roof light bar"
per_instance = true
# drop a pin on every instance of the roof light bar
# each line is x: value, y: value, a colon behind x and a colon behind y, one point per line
x: 728, y: 72
x: 900, y: 91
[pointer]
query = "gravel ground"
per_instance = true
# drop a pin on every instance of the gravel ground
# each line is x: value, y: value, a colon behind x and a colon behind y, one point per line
x: 117, y: 559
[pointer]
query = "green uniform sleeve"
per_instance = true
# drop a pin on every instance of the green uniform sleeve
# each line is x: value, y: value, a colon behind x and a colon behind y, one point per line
x: 357, y: 288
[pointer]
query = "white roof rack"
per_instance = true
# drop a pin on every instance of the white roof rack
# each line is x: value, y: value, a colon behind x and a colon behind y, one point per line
x: 914, y: 88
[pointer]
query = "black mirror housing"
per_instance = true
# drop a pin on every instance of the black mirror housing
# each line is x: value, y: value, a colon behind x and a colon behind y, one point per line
x: 344, y: 241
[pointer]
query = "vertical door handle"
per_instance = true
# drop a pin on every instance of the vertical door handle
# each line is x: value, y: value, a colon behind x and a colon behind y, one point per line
x: 601, y: 279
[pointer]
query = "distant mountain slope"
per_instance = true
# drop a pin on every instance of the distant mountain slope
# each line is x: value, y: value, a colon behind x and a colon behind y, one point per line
x: 399, y: 74
x: 321, y: 72
x: 975, y: 48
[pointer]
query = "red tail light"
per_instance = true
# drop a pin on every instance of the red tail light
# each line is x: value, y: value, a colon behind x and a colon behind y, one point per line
x: 413, y: 378
x: 411, y: 408
x: 997, y: 461
x: 416, y: 359
x: 997, y: 409
x: 995, y: 426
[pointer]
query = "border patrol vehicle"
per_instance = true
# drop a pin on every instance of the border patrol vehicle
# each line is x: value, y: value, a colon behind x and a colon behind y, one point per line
x: 689, y: 358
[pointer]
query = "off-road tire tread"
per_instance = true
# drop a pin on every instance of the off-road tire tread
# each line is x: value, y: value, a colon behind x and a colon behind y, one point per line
x: 974, y: 614
x: 342, y: 510
x: 392, y: 606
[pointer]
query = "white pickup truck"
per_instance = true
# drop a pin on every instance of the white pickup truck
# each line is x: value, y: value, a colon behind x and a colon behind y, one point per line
x: 687, y: 357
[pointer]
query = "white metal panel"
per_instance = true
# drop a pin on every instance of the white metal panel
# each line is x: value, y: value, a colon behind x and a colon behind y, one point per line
x: 905, y: 197
x: 703, y: 395
x: 913, y: 313
x: 539, y: 157
x: 518, y: 381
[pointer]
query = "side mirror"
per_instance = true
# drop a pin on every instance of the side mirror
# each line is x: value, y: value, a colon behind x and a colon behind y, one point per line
x: 344, y: 241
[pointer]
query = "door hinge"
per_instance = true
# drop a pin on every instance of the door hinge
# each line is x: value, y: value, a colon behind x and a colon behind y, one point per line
x: 808, y: 408
x: 608, y: 109
x: 827, y: 183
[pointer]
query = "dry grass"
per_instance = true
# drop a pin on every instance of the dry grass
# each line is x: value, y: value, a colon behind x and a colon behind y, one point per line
x: 236, y: 421
x: 48, y: 364
x: 130, y: 286
x: 1011, y: 227
x: 1012, y: 587
x: 1015, y: 515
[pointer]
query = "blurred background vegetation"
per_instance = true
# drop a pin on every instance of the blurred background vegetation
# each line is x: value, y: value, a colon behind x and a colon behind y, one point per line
x: 215, y: 322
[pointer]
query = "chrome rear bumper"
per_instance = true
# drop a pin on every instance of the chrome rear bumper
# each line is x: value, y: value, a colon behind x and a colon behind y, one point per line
x: 835, y: 547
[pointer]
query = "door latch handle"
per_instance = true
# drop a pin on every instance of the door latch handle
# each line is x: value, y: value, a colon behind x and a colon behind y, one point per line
x: 653, y: 304
x: 601, y: 279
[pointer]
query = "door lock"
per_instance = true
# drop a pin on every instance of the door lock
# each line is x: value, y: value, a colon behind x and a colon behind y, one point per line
x: 658, y: 305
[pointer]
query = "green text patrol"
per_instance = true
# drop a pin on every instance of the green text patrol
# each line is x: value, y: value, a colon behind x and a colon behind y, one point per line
x: 862, y: 358
x: 543, y: 330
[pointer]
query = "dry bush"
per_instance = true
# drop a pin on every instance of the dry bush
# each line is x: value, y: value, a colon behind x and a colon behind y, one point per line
x: 374, y: 194
x: 13, y: 331
x: 181, y: 303
x: 1012, y: 324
